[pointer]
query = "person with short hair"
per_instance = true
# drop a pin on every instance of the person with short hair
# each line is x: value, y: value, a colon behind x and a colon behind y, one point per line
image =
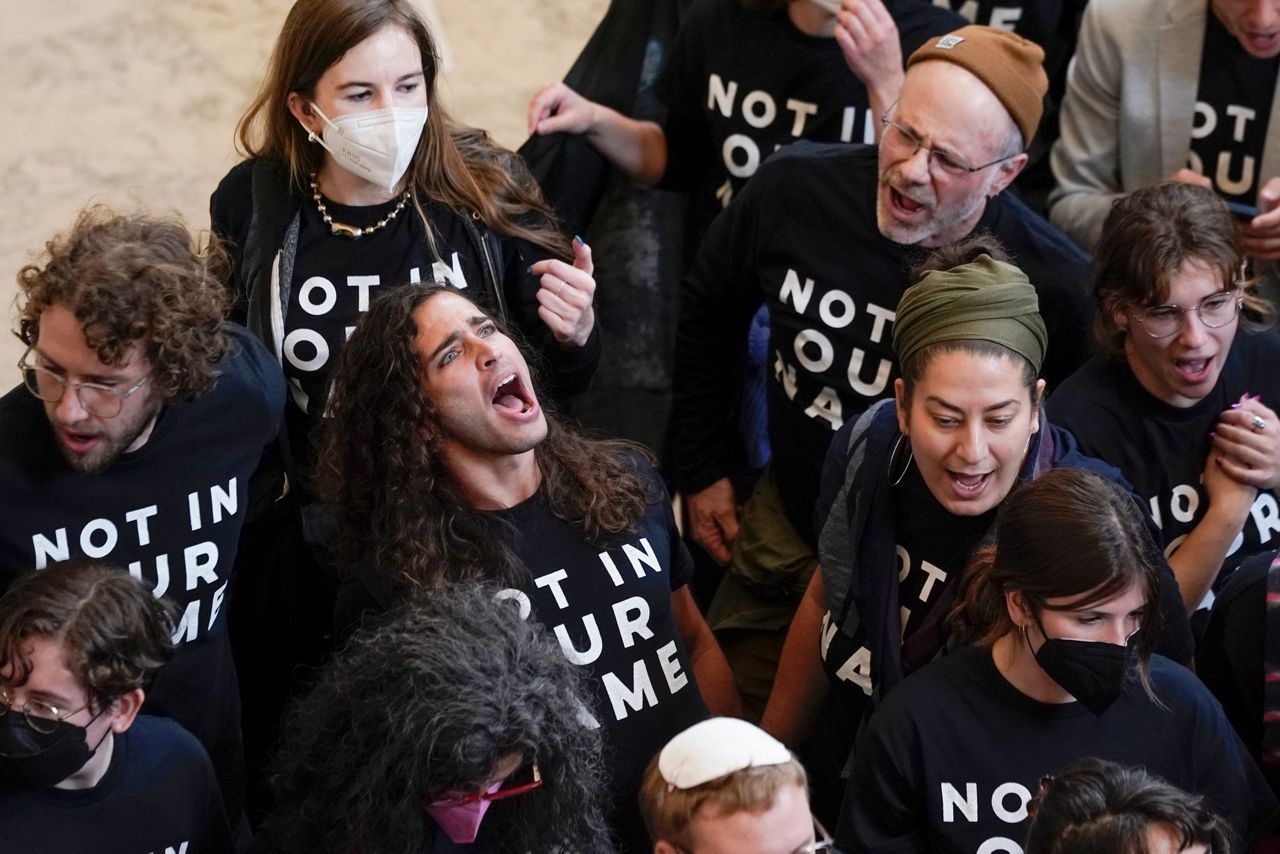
x: 140, y: 419
x: 80, y: 768
x: 1057, y: 621
x: 449, y: 725
x: 1099, y: 807
x: 825, y: 236
x: 442, y: 465
x: 724, y: 786
x: 1183, y: 396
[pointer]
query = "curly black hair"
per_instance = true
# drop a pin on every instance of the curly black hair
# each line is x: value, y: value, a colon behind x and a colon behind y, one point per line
x: 427, y: 702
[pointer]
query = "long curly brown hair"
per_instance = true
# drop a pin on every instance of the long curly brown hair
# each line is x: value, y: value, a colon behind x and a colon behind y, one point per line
x: 398, y: 509
x: 134, y: 279
x: 456, y: 165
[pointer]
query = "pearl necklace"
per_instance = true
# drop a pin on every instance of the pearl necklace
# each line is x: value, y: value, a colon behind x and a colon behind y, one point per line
x: 350, y: 230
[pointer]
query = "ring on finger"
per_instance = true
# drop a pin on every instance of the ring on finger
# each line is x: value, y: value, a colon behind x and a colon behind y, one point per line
x: 1258, y: 424
x: 560, y: 289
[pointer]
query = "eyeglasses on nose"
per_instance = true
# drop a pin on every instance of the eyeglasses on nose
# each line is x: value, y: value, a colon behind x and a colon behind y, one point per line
x: 104, y: 401
x: 898, y: 138
x: 1214, y: 311
x: 42, y: 717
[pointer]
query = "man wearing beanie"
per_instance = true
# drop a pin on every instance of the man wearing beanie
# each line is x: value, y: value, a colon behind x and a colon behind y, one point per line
x: 1142, y: 107
x: 825, y: 237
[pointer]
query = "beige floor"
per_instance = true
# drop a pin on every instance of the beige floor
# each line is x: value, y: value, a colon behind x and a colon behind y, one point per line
x: 133, y: 102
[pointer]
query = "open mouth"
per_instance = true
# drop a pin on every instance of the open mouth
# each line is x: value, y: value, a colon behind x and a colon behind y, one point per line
x: 512, y: 396
x: 1193, y: 370
x: 968, y: 485
x: 1262, y: 42
x: 903, y: 203
x: 78, y: 443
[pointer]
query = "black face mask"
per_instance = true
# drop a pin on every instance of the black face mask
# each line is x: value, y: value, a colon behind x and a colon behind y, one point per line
x: 37, y: 760
x: 1093, y: 672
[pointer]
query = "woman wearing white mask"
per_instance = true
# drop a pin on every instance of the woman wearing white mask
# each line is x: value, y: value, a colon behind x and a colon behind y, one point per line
x: 358, y: 179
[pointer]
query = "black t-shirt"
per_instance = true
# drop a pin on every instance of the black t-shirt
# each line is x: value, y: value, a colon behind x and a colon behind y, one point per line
x: 609, y: 606
x: 739, y: 83
x: 158, y: 795
x: 1161, y: 449
x: 1232, y: 653
x: 934, y: 547
x: 1016, y: 16
x: 1233, y: 109
x: 802, y: 238
x: 951, y: 759
x: 170, y: 513
x: 334, y: 278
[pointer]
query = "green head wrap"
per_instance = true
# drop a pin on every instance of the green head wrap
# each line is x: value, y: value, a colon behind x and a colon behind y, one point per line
x: 984, y: 300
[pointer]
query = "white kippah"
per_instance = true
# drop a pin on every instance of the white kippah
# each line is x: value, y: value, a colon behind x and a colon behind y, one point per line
x: 715, y: 748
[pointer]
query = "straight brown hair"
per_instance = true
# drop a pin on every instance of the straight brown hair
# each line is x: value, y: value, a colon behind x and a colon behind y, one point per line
x: 455, y: 165
x: 1067, y: 534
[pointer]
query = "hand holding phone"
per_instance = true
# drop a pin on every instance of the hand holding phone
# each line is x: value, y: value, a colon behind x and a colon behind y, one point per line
x: 1243, y: 211
x: 1261, y: 231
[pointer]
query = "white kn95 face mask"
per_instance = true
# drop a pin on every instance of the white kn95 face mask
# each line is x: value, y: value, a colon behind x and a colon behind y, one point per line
x: 376, y: 146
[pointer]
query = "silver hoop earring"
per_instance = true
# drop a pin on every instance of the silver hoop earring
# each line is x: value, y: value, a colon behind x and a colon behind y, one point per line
x: 893, y: 455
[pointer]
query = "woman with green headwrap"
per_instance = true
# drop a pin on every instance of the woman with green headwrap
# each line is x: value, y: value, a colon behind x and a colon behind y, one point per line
x: 911, y: 488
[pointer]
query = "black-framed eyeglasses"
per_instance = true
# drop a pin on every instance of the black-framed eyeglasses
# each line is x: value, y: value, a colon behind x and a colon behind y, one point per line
x: 101, y: 400
x: 1215, y: 311
x: 42, y: 717
x: 823, y: 841
x: 897, y: 137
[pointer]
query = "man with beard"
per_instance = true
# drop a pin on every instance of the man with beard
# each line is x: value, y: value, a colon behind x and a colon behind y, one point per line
x: 132, y: 438
x: 825, y: 236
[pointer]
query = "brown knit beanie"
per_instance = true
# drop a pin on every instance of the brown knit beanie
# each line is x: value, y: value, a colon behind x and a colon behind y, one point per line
x: 1011, y: 66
